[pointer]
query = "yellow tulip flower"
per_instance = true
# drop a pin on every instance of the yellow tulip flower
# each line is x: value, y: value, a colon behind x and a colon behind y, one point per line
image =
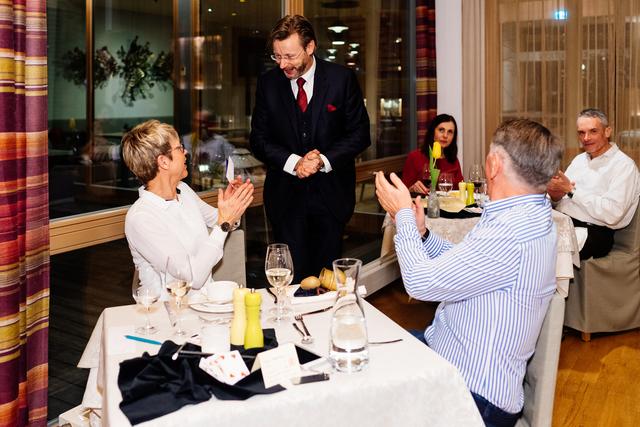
x: 437, y: 150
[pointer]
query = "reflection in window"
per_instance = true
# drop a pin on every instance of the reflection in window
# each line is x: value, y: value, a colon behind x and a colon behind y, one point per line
x: 228, y: 54
x: 371, y: 38
x: 67, y: 101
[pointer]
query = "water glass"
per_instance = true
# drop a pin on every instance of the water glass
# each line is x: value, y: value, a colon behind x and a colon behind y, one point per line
x: 445, y: 182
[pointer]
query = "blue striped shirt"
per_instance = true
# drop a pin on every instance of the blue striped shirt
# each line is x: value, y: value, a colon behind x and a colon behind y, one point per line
x: 494, y: 287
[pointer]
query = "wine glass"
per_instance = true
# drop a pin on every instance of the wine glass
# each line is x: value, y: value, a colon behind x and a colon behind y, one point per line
x: 445, y: 182
x: 476, y: 175
x: 178, y: 277
x: 482, y: 197
x: 145, y: 295
x: 425, y: 175
x: 278, y: 266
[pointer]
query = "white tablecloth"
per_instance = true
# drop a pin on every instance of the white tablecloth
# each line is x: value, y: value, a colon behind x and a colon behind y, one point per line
x: 406, y: 383
x: 454, y: 231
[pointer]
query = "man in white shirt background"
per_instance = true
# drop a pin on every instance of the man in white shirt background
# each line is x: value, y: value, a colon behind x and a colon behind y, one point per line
x: 600, y: 188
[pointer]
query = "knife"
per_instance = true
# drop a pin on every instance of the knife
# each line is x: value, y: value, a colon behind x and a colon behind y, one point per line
x: 322, y: 310
x: 310, y: 379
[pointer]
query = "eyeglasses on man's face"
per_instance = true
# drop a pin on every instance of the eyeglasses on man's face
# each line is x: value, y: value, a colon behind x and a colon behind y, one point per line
x: 287, y: 57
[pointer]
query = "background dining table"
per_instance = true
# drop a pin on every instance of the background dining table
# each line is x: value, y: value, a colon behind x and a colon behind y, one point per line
x: 406, y: 383
x: 454, y: 230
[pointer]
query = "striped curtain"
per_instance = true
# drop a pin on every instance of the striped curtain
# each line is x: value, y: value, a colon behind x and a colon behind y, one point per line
x: 24, y: 217
x: 426, y: 84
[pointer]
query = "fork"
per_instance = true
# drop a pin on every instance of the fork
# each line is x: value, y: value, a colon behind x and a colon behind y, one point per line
x: 306, y: 339
x: 300, y: 319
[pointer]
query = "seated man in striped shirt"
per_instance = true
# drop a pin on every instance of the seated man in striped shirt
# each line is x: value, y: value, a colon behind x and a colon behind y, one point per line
x: 495, y: 285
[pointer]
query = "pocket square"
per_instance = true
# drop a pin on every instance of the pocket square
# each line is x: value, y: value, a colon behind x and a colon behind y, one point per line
x: 331, y: 108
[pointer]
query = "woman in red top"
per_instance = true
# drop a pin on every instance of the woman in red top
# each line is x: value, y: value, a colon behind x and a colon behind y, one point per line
x: 443, y: 128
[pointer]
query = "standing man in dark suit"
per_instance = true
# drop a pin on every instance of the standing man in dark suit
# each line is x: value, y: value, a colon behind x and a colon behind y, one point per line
x: 308, y: 126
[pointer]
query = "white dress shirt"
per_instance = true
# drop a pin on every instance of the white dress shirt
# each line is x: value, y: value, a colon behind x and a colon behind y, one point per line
x: 308, y: 77
x: 157, y: 229
x: 606, y: 190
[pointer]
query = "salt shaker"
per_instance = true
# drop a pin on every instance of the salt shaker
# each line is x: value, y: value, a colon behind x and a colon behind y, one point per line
x: 239, y: 322
x: 462, y: 188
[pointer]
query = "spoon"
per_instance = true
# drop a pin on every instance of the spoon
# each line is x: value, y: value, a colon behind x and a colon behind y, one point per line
x: 174, y: 356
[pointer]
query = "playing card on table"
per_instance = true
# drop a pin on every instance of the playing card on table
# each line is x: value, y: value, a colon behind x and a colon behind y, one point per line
x: 228, y: 368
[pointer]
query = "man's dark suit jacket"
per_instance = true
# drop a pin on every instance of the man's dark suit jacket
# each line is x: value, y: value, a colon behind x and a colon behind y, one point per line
x: 340, y: 131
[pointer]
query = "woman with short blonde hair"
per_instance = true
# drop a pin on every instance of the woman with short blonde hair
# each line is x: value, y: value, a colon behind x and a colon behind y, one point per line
x: 169, y: 220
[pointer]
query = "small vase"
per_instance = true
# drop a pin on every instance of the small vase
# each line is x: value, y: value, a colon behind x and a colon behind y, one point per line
x: 433, y: 206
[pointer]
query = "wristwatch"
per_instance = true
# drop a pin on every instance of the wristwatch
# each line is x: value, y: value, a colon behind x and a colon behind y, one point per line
x: 570, y: 194
x: 225, y: 226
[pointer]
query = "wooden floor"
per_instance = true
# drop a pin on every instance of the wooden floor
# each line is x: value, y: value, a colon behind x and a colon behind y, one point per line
x: 598, y: 381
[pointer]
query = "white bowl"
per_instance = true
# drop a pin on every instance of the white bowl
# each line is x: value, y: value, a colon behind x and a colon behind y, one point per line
x: 220, y: 292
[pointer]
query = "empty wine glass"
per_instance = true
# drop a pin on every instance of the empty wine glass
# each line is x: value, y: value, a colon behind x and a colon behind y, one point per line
x: 145, y: 295
x: 278, y: 266
x: 476, y: 175
x: 445, y: 182
x: 178, y: 277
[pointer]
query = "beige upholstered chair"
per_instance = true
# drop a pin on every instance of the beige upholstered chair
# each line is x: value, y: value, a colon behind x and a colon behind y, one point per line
x: 232, y: 264
x: 542, y: 370
x: 605, y: 294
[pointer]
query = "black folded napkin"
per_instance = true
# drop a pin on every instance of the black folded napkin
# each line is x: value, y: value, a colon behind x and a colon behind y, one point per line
x: 308, y: 292
x: 153, y: 386
x: 459, y: 215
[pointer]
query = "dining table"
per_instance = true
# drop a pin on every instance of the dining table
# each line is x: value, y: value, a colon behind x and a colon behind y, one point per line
x: 454, y: 229
x: 405, y: 382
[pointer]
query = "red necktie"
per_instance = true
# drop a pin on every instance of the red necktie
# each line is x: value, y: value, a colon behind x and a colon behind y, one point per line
x: 302, y: 95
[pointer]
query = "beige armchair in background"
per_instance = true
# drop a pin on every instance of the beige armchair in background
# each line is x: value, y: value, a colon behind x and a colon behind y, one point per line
x: 605, y: 294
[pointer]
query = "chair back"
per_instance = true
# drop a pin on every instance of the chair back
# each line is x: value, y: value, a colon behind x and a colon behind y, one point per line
x: 627, y: 239
x: 542, y: 370
x: 232, y: 264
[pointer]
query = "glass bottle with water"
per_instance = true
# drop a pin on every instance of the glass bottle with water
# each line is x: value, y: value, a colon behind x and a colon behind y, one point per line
x: 348, y: 347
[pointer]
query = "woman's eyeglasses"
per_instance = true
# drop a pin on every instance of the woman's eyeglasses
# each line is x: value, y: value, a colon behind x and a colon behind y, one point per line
x: 179, y: 147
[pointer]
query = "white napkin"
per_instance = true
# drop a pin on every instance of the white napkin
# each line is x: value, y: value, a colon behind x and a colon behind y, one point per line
x: 230, y: 170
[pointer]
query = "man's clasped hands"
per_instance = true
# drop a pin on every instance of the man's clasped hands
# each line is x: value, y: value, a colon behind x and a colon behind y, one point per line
x: 309, y: 164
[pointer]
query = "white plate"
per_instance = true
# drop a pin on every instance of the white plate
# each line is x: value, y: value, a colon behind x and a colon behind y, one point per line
x: 327, y: 296
x: 207, y: 307
x: 199, y: 302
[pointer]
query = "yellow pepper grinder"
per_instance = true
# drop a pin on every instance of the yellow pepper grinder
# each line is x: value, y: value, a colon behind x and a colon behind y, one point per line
x: 470, y: 189
x: 239, y: 322
x: 253, y: 337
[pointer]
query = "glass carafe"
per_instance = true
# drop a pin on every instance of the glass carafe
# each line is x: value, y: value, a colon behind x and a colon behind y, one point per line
x: 348, y: 347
